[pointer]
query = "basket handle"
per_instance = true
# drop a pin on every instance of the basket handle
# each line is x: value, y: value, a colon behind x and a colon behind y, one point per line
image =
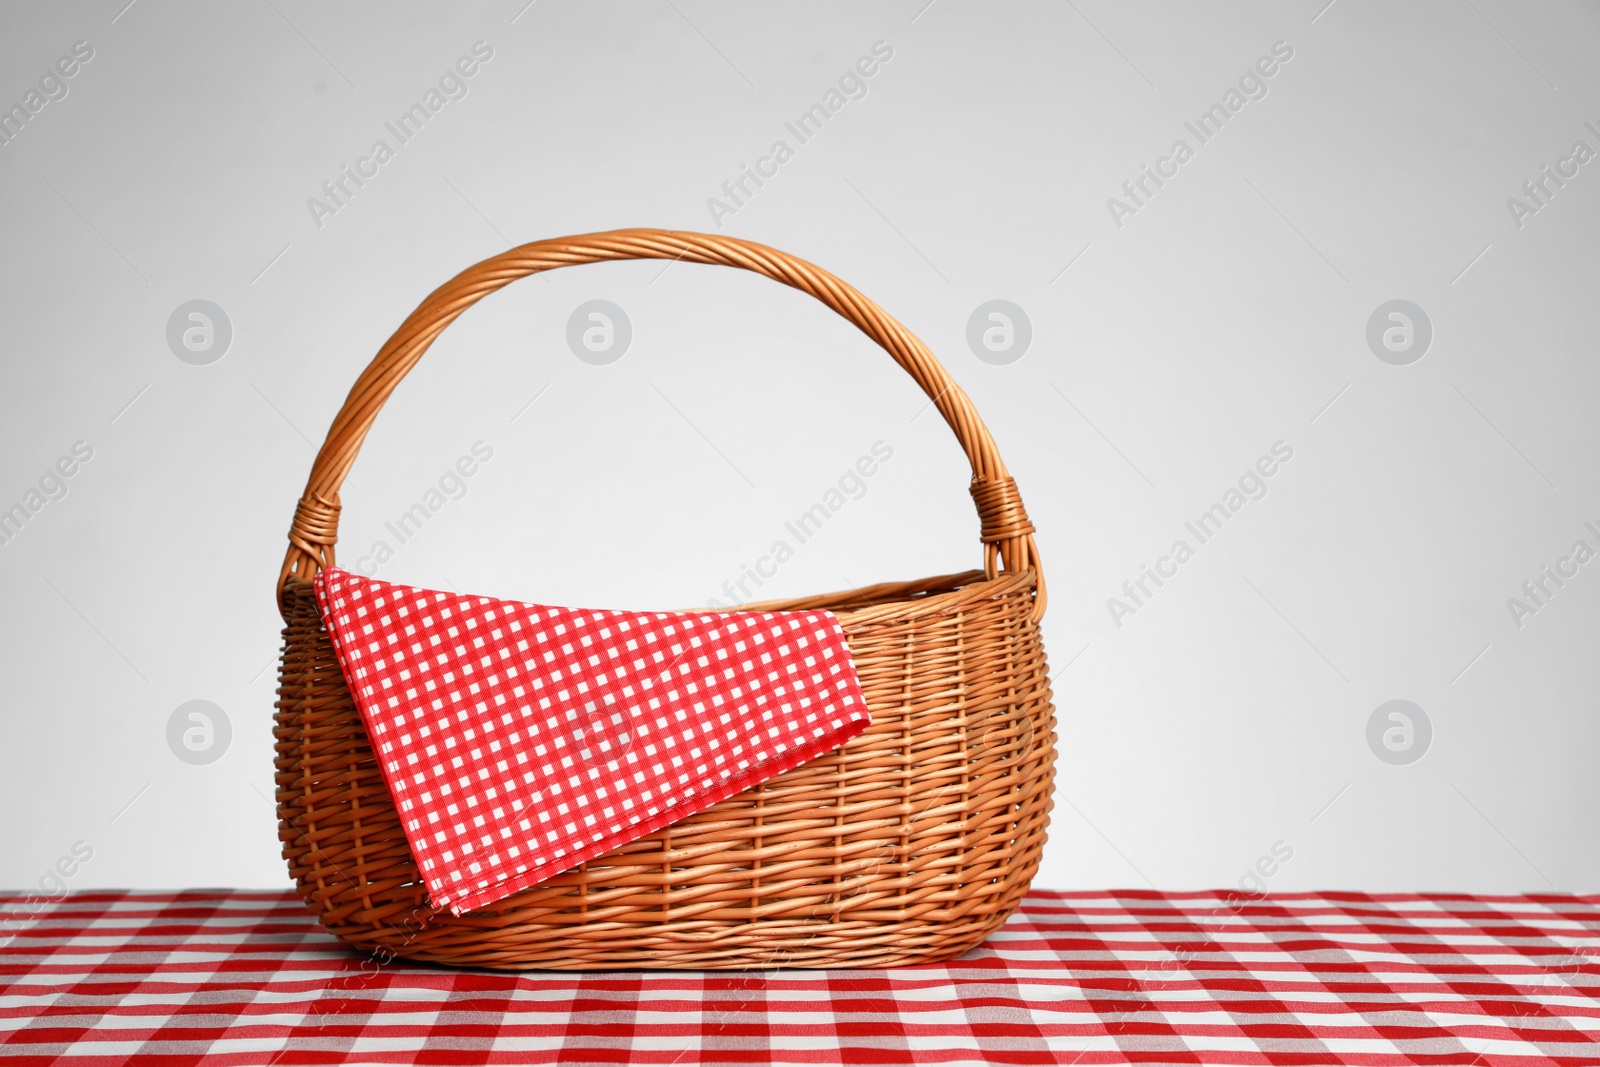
x: 1006, y: 533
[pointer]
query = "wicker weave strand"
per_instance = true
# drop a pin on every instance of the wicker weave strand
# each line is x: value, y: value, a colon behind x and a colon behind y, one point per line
x: 909, y: 844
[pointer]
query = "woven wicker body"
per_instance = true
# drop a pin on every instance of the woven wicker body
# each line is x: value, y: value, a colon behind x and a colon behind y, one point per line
x: 909, y: 844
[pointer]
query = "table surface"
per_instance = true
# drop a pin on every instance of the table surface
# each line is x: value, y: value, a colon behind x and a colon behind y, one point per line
x: 1073, y: 978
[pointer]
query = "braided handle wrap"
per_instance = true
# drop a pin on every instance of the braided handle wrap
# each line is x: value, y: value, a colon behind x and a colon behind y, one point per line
x: 1005, y: 530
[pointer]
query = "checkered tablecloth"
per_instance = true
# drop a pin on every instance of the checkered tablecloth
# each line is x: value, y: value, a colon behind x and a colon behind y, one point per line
x: 1074, y: 978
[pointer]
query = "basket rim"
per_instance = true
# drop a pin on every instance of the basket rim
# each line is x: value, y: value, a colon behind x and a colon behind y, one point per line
x: 944, y: 592
x: 899, y: 599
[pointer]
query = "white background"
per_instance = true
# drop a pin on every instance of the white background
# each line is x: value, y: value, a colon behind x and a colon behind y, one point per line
x: 1168, y: 353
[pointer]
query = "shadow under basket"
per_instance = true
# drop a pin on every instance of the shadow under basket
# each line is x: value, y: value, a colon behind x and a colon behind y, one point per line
x: 909, y: 844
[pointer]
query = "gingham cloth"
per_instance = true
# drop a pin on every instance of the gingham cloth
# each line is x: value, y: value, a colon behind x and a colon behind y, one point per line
x: 1073, y: 978
x: 519, y: 740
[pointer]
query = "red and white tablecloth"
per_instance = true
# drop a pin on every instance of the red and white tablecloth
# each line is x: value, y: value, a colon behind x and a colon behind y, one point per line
x: 1074, y: 978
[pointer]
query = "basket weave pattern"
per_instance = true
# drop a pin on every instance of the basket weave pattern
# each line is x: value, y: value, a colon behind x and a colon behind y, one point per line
x: 909, y: 844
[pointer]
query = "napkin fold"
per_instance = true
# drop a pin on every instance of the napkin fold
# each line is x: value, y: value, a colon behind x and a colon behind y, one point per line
x: 520, y: 740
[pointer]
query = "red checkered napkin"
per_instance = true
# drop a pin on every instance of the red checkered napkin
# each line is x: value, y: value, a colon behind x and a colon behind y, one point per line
x: 520, y: 740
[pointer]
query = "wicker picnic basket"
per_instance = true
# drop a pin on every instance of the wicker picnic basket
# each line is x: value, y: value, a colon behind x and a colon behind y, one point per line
x: 909, y: 844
